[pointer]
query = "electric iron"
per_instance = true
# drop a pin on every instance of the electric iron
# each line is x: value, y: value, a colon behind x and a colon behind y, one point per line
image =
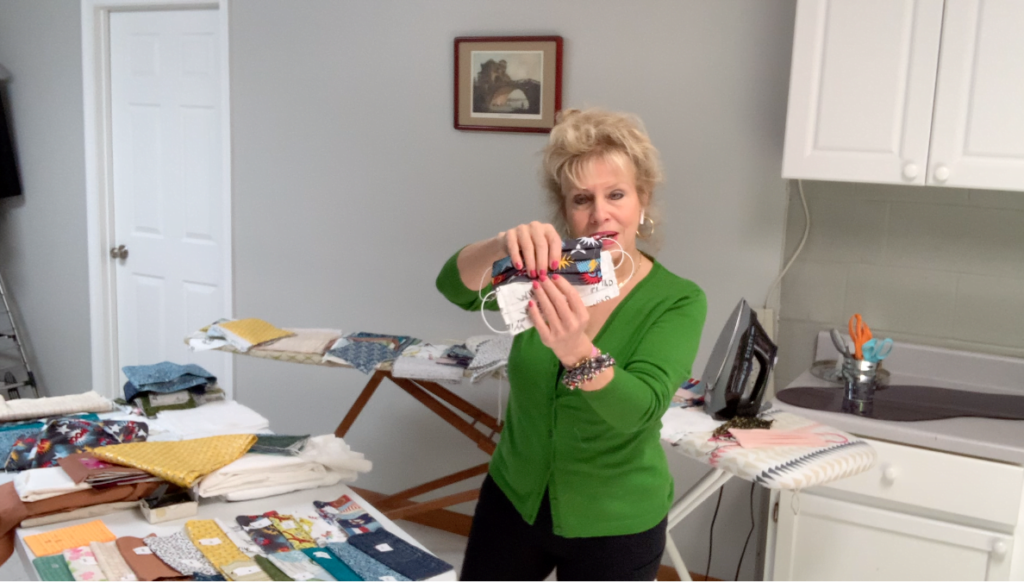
x: 737, y: 372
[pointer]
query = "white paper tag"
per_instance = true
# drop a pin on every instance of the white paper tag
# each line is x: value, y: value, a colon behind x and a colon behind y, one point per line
x: 321, y: 555
x: 88, y: 560
x: 384, y: 548
x: 287, y: 524
x: 142, y: 551
x: 514, y: 298
x: 209, y: 542
x: 243, y: 571
x: 330, y: 509
x: 261, y: 523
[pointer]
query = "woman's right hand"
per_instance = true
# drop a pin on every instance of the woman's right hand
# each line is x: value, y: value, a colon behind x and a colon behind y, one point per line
x: 535, y: 246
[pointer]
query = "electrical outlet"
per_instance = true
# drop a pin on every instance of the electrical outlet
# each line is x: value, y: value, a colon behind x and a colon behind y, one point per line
x: 766, y: 317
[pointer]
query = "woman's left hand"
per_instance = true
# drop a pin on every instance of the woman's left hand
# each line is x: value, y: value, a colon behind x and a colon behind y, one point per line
x: 561, y: 319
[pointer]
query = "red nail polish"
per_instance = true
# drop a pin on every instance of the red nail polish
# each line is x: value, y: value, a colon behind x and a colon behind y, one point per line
x: 554, y: 276
x: 533, y: 273
x: 554, y: 265
x: 519, y: 265
x: 536, y: 285
x: 543, y: 275
x: 531, y: 303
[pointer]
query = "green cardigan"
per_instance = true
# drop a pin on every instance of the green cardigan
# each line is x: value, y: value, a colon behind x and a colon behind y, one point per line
x: 597, y: 453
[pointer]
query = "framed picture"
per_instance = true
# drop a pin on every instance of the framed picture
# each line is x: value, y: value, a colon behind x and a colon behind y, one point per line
x: 508, y: 83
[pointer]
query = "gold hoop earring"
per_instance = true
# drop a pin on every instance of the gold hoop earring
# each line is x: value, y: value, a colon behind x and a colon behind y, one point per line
x: 649, y: 221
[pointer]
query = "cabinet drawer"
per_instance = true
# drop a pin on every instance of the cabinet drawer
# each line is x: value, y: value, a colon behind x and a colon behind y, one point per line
x: 940, y: 481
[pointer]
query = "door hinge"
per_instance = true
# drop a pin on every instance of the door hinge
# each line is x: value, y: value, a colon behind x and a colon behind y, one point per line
x: 775, y: 512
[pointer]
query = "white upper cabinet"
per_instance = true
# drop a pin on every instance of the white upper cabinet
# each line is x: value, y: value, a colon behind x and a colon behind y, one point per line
x: 908, y: 92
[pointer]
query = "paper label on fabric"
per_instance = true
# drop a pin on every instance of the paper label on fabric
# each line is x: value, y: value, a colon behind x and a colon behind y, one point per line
x: 88, y: 561
x: 243, y: 571
x: 287, y: 524
x: 142, y: 551
x: 209, y: 542
x: 261, y: 523
x: 514, y: 298
x: 384, y: 548
x: 322, y: 555
x: 330, y: 510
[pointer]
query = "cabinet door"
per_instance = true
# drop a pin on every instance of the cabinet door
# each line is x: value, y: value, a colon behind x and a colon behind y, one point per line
x: 827, y: 539
x: 861, y: 88
x: 978, y: 131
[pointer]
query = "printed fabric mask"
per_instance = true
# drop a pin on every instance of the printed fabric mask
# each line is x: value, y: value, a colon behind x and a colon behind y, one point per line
x: 583, y: 264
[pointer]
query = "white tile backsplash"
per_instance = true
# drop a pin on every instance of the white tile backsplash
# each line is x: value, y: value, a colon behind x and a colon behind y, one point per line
x: 935, y: 266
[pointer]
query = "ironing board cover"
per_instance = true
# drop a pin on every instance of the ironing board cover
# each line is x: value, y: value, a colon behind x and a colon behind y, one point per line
x: 299, y: 357
x: 786, y: 468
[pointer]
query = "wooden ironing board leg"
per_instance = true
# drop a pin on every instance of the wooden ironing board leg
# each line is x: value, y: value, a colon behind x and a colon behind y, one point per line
x: 448, y: 406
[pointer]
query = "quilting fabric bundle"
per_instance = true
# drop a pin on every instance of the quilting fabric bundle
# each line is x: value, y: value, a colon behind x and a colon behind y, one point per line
x: 111, y: 562
x: 264, y: 534
x: 53, y: 568
x: 241, y: 538
x: 304, y: 341
x: 348, y: 515
x: 366, y: 350
x: 43, y: 483
x: 299, y: 567
x: 368, y: 568
x: 164, y: 377
x: 214, y: 543
x: 84, y: 468
x: 332, y: 564
x: 65, y: 436
x: 323, y: 531
x: 295, y: 529
x: 19, y: 409
x: 399, y: 555
x: 246, y: 333
x: 11, y: 431
x: 180, y: 554
x: 179, y: 462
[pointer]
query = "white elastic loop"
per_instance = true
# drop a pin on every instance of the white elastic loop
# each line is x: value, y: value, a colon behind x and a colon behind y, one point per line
x: 623, y: 251
x: 621, y: 259
x: 484, y: 317
x: 482, y: 286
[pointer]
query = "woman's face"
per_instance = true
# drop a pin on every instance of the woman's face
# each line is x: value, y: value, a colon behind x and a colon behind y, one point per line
x: 605, y: 204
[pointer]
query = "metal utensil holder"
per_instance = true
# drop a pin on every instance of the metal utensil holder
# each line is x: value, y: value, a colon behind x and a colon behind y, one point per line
x: 859, y: 386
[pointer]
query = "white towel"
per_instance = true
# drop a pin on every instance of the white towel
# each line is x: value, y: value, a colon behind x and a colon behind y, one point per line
x: 42, y: 483
x: 90, y: 402
x: 218, y: 418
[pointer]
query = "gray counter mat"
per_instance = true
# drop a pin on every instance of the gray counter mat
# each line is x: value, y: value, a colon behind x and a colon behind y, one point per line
x: 912, y: 403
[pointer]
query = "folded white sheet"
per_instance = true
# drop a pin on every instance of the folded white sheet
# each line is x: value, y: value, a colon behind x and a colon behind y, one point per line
x: 218, y: 418
x: 42, y: 483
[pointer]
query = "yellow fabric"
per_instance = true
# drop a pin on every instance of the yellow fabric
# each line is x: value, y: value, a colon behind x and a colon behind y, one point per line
x: 255, y: 331
x: 178, y: 462
x: 296, y: 530
x: 61, y: 539
x: 215, y: 545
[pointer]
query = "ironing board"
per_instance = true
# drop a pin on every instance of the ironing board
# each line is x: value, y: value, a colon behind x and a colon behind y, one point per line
x: 481, y: 428
x: 786, y: 468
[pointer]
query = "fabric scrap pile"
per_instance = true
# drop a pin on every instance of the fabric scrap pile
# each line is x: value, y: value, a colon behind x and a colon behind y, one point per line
x: 366, y: 350
x: 63, y: 436
x: 246, y: 333
x: 167, y: 386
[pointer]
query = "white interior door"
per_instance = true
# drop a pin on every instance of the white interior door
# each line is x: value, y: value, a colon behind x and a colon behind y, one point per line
x: 978, y: 132
x: 168, y: 179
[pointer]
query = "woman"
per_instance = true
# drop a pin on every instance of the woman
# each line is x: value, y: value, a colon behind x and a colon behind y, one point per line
x: 579, y: 482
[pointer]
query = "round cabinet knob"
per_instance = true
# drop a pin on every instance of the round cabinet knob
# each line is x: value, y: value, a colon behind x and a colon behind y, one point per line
x: 910, y: 171
x: 999, y: 548
x: 941, y: 173
x: 119, y: 252
x: 889, y: 474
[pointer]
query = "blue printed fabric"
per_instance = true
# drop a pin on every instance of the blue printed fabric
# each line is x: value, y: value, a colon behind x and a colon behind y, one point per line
x: 399, y: 555
x: 364, y: 565
x: 347, y: 515
x: 164, y: 377
x: 65, y: 436
x: 332, y: 564
x: 365, y: 356
x: 264, y: 533
x: 11, y: 432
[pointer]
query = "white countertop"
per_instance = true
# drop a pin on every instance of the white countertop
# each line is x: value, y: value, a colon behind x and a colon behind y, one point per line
x: 995, y: 439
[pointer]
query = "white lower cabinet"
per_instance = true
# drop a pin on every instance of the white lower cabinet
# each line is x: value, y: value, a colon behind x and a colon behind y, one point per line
x: 917, y: 515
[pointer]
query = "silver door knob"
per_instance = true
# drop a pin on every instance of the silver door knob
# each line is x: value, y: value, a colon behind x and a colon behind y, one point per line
x: 119, y: 252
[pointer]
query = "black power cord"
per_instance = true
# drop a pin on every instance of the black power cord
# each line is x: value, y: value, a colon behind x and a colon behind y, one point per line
x: 744, y: 551
x: 711, y: 535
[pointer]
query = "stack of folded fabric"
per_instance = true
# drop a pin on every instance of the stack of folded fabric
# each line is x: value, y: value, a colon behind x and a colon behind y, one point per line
x: 223, y: 418
x: 366, y: 350
x: 244, y: 334
x: 64, y: 436
x: 179, y: 462
x: 323, y: 461
x: 169, y: 386
x: 20, y: 409
x: 423, y: 361
x: 84, y: 468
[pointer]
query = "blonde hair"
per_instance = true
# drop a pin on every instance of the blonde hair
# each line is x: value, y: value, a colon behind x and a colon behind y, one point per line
x: 580, y: 138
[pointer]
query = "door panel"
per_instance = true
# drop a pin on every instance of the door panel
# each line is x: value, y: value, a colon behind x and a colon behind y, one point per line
x: 168, y: 183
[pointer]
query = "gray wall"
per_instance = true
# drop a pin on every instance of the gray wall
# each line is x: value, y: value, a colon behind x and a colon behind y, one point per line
x: 351, y: 188
x: 936, y: 266
x: 42, y: 234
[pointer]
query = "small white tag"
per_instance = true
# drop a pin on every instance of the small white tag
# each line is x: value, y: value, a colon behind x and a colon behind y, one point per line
x: 384, y: 548
x: 243, y: 571
x: 142, y: 551
x: 330, y: 509
x: 88, y: 560
x: 287, y: 524
x: 261, y: 523
x: 322, y: 555
x: 209, y: 542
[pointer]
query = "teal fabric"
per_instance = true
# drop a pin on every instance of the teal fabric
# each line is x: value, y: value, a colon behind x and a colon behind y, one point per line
x: 53, y: 568
x: 597, y: 453
x: 338, y: 569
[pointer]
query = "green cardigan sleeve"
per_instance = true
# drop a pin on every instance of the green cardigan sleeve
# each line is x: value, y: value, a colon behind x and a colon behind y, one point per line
x: 642, y: 388
x: 449, y: 283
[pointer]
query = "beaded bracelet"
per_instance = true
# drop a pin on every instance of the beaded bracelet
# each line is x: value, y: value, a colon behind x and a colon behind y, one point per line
x: 586, y: 369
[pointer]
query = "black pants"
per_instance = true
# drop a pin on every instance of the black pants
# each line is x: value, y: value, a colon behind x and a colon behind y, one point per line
x: 503, y: 547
